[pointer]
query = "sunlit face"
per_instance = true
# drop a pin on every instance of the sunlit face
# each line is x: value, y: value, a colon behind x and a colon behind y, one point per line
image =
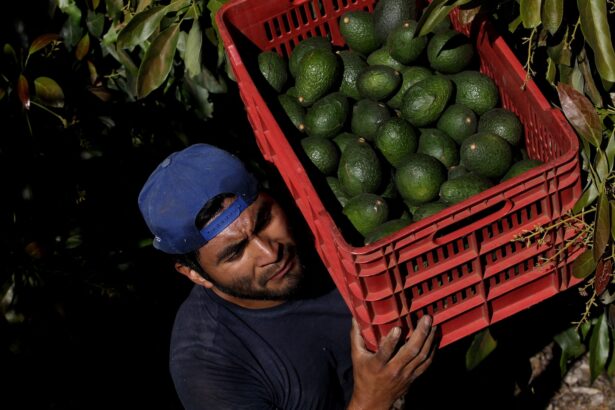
x: 254, y: 260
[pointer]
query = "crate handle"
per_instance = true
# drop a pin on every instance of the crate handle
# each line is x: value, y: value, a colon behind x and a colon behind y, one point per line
x: 480, y: 218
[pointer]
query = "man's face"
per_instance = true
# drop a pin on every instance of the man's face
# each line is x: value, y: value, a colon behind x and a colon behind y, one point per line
x: 254, y: 259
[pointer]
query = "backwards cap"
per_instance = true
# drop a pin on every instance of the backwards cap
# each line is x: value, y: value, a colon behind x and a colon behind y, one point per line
x: 182, y: 184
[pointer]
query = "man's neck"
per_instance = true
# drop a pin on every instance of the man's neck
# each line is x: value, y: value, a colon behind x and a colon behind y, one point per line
x: 247, y: 303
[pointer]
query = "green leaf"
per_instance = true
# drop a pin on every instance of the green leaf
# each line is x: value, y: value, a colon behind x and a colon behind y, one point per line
x: 177, y: 5
x: 49, y: 92
x: 602, y: 226
x: 83, y: 47
x: 598, y: 347
x: 114, y: 8
x: 588, y: 197
x: 513, y: 25
x: 601, y: 165
x: 141, y: 27
x: 193, y: 49
x: 213, y: 84
x: 530, y: 13
x: 191, y: 14
x: 9, y: 51
x: 576, y: 79
x: 585, y: 328
x: 213, y: 6
x: 109, y: 39
x: 552, y: 14
x: 71, y: 30
x: 565, y: 72
x: 157, y: 62
x: 590, y: 85
x: 93, y: 72
x: 610, y: 367
x: 561, y: 53
x: 95, y: 22
x: 482, y: 345
x: 199, y: 98
x: 143, y: 4
x: 584, y: 264
x: 581, y: 113
x: 551, y: 71
x: 41, y: 42
x: 586, y: 155
x: 595, y: 27
x: 181, y: 45
x: 571, y: 345
x: 435, y: 13
x: 124, y: 58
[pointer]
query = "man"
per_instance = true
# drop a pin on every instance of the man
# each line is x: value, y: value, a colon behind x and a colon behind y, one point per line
x: 246, y: 336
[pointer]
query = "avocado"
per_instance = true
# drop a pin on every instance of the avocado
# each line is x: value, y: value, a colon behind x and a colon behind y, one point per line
x: 318, y: 74
x: 388, y: 14
x: 366, y: 212
x: 423, y: 103
x: 359, y: 168
x: 461, y: 188
x: 358, y: 30
x: 327, y: 116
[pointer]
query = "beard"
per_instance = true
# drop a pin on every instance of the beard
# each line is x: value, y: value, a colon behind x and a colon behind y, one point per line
x: 248, y: 288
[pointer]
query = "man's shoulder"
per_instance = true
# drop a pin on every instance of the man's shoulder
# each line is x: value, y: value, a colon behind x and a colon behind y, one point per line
x: 195, y: 320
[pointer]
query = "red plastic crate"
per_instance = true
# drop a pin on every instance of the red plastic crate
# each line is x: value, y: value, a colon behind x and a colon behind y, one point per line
x: 459, y: 265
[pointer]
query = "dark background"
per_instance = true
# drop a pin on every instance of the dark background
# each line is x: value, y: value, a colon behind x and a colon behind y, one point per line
x: 95, y: 303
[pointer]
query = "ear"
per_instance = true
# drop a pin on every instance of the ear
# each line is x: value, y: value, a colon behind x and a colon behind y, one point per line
x: 193, y: 275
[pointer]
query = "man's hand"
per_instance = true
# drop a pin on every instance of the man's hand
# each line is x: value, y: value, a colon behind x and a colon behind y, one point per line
x: 382, y: 377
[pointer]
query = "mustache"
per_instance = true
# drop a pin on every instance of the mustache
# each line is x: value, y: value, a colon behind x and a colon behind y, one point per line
x: 286, y: 252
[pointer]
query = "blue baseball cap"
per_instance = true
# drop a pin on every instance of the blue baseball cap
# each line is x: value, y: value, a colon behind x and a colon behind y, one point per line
x: 182, y: 184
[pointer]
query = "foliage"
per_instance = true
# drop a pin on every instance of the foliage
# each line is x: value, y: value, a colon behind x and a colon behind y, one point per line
x: 82, y: 130
x: 482, y: 345
x: 104, y: 58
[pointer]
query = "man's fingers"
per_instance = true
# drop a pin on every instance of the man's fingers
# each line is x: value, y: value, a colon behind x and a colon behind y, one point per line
x: 419, y: 343
x: 414, y: 345
x: 425, y: 353
x: 421, y: 333
x: 388, y: 344
x: 423, y: 366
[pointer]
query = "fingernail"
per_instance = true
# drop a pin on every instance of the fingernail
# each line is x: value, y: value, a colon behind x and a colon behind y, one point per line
x: 396, y: 332
x: 427, y: 321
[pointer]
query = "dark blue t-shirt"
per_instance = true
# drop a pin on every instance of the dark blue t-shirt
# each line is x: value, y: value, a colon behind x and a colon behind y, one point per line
x: 292, y: 356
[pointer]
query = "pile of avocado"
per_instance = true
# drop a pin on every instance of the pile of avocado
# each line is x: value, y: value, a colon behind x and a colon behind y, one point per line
x: 393, y: 117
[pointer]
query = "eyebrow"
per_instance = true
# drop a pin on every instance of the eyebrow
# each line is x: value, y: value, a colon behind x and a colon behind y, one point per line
x: 263, y: 216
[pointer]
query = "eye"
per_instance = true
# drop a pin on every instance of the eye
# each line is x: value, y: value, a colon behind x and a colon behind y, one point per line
x: 236, y: 252
x: 263, y: 219
x: 233, y: 257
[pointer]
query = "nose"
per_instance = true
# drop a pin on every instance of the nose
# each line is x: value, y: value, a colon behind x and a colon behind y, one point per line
x: 268, y: 251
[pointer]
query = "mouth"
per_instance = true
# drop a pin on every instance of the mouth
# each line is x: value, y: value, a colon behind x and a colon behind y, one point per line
x: 288, y: 264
